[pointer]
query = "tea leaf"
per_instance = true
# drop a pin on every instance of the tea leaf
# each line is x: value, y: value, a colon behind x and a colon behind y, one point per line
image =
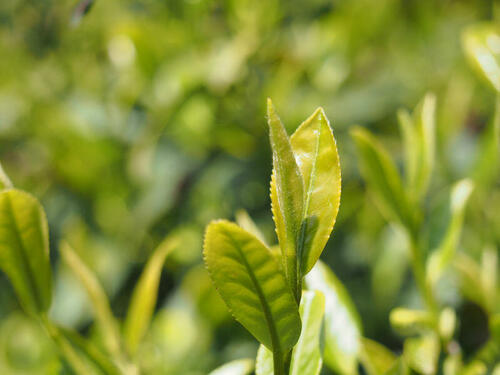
x: 24, y: 249
x: 287, y: 197
x: 315, y: 150
x: 5, y: 182
x: 399, y: 368
x: 237, y: 367
x: 264, y: 363
x: 144, y: 296
x: 245, y: 221
x: 480, y: 45
x: 342, y: 328
x: 383, y: 178
x: 98, y: 298
x: 249, y: 280
x: 376, y: 358
x: 306, y: 356
x: 443, y: 255
x: 421, y: 353
x: 408, y: 322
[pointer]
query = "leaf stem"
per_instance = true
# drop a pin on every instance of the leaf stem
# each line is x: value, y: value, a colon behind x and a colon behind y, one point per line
x: 279, y: 363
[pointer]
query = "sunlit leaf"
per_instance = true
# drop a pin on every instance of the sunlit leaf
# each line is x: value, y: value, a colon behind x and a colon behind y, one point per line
x: 264, y: 362
x: 250, y: 281
x: 399, y: 368
x: 383, y: 178
x: 421, y: 353
x: 447, y: 323
x: 144, y: 296
x: 97, y: 296
x: 5, y: 182
x: 287, y: 196
x: 316, y: 153
x: 24, y: 249
x: 442, y: 256
x: 237, y: 367
x: 245, y: 221
x: 376, y: 358
x: 408, y: 322
x: 481, y: 43
x: 342, y: 328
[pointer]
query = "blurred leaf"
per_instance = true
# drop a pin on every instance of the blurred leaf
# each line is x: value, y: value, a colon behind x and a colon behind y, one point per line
x: 237, y: 367
x: 315, y: 151
x: 383, y: 178
x: 306, y: 355
x: 376, y: 358
x: 252, y: 285
x: 5, y: 182
x: 245, y: 221
x: 399, y: 368
x: 442, y: 256
x: 342, y: 328
x: 489, y: 276
x: 100, y: 302
x: 24, y: 249
x: 469, y: 274
x: 475, y: 368
x: 145, y: 293
x: 421, y: 353
x: 447, y: 323
x: 287, y: 197
x: 480, y: 42
x: 419, y: 136
x: 408, y: 322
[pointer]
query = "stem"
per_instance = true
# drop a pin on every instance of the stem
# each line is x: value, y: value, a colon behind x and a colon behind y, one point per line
x: 419, y: 274
x: 279, y: 363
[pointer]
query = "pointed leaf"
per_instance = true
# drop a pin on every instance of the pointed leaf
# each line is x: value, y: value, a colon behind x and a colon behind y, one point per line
x: 24, y: 249
x: 376, y: 358
x: 287, y: 196
x: 144, y: 296
x: 249, y: 280
x: 97, y: 296
x: 5, y: 182
x: 306, y: 355
x: 237, y: 367
x: 383, y: 178
x: 443, y: 255
x: 480, y: 43
x: 342, y: 328
x: 316, y: 153
x: 245, y: 221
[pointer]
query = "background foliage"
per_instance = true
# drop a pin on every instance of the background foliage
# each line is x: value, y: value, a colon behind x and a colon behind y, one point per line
x: 134, y: 120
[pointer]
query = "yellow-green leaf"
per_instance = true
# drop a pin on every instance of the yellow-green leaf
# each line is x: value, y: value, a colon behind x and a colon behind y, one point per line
x: 376, y: 358
x: 249, y: 280
x: 144, y: 296
x: 264, y: 362
x: 245, y: 221
x: 287, y: 197
x: 237, y: 367
x: 97, y: 296
x: 315, y: 151
x: 421, y: 353
x: 24, y: 249
x: 5, y: 182
x: 408, y: 322
x: 383, y: 179
x: 342, y: 328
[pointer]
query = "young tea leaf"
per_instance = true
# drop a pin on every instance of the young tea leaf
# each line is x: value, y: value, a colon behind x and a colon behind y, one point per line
x: 264, y: 362
x: 342, y: 328
x: 408, y: 322
x: 421, y: 353
x: 245, y: 221
x: 24, y: 249
x: 249, y: 280
x: 376, y: 358
x: 315, y: 150
x: 144, y: 296
x: 383, y: 178
x: 97, y: 296
x: 237, y: 367
x: 287, y: 197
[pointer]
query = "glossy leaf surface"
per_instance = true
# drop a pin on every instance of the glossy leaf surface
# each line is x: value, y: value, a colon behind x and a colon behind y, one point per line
x: 24, y: 249
x: 249, y: 280
x: 287, y: 196
x: 316, y: 153
x: 342, y: 328
x: 144, y: 296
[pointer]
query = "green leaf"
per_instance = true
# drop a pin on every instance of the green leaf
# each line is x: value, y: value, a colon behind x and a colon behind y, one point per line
x: 399, y: 368
x: 249, y: 280
x: 409, y: 322
x: 144, y: 296
x: 5, y: 182
x: 24, y: 249
x: 315, y: 151
x: 245, y: 221
x: 469, y: 273
x: 419, y: 138
x: 287, y: 197
x: 342, y: 328
x: 421, y: 353
x: 237, y: 367
x: 306, y: 355
x: 383, y: 179
x: 98, y: 298
x: 376, y: 358
x: 442, y: 256
x: 480, y: 43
